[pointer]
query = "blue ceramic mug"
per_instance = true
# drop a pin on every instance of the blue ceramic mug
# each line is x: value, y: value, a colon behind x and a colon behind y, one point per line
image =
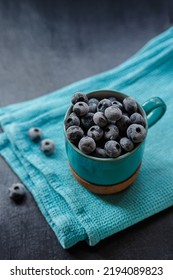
x: 110, y: 175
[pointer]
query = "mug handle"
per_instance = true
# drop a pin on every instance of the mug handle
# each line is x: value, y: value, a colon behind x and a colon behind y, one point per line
x: 154, y: 108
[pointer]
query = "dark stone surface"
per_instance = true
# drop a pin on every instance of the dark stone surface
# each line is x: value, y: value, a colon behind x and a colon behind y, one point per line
x: 46, y: 45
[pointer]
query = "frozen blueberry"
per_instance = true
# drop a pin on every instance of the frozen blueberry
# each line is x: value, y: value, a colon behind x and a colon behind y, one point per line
x: 113, y: 113
x: 93, y: 107
x: 126, y: 144
x: 79, y: 97
x: 93, y: 102
x: 87, y: 120
x: 74, y: 134
x: 112, y: 98
x: 47, y: 146
x: 112, y: 148
x: 103, y: 104
x: 137, y: 118
x: 96, y: 132
x: 123, y: 123
x: 111, y: 132
x: 72, y: 119
x: 130, y: 105
x: 17, y: 192
x: 87, y: 145
x: 136, y: 132
x: 100, y: 119
x: 35, y: 134
x: 99, y: 152
x: 118, y: 104
x: 81, y: 109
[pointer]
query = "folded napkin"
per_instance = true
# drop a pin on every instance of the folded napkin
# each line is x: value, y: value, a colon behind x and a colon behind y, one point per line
x: 74, y: 213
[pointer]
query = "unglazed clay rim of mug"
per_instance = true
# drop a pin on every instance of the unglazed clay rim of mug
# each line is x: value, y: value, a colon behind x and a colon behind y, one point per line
x: 107, y: 159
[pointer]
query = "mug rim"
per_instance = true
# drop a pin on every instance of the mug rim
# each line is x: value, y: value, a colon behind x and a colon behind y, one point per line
x: 107, y: 159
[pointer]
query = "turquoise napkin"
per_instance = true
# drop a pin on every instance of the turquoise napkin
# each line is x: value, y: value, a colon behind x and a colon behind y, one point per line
x: 74, y: 213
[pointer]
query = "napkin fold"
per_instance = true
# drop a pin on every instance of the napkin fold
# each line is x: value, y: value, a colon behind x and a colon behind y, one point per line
x: 74, y: 213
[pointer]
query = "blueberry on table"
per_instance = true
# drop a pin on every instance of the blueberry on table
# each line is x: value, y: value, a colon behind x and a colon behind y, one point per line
x: 87, y: 145
x: 96, y: 132
x: 35, y: 134
x: 130, y: 105
x: 136, y: 132
x: 112, y: 148
x: 103, y: 104
x: 17, y: 192
x: 81, y: 109
x: 79, y: 97
x: 113, y: 113
x: 111, y: 132
x: 123, y: 123
x: 72, y: 119
x: 87, y: 120
x: 100, y: 119
x: 126, y: 144
x: 47, y: 146
x: 100, y: 153
x: 137, y: 118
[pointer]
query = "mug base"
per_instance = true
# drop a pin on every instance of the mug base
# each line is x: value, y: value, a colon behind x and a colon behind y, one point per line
x: 108, y: 189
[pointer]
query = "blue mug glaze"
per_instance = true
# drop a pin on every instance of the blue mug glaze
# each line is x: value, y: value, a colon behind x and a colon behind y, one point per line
x: 111, y: 171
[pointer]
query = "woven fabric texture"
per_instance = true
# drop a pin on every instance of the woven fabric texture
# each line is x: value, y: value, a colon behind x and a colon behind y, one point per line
x: 74, y: 213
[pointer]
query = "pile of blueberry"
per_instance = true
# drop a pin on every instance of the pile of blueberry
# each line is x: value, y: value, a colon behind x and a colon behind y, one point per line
x: 105, y: 128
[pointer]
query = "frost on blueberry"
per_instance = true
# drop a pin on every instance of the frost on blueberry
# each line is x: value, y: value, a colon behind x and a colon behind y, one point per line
x: 112, y: 148
x: 93, y: 103
x: 136, y: 133
x: 17, y: 192
x: 126, y: 144
x: 87, y: 145
x: 48, y: 147
x: 113, y: 113
x: 100, y: 119
x: 35, y: 134
x: 72, y: 119
x: 138, y: 119
x: 118, y: 104
x: 112, y: 99
x: 100, y: 153
x: 111, y: 132
x: 96, y: 132
x: 130, y: 105
x: 92, y: 107
x: 103, y: 104
x: 79, y: 97
x: 74, y: 133
x: 81, y: 109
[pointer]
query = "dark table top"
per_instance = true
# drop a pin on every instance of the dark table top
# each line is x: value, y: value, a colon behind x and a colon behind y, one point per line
x: 45, y: 45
